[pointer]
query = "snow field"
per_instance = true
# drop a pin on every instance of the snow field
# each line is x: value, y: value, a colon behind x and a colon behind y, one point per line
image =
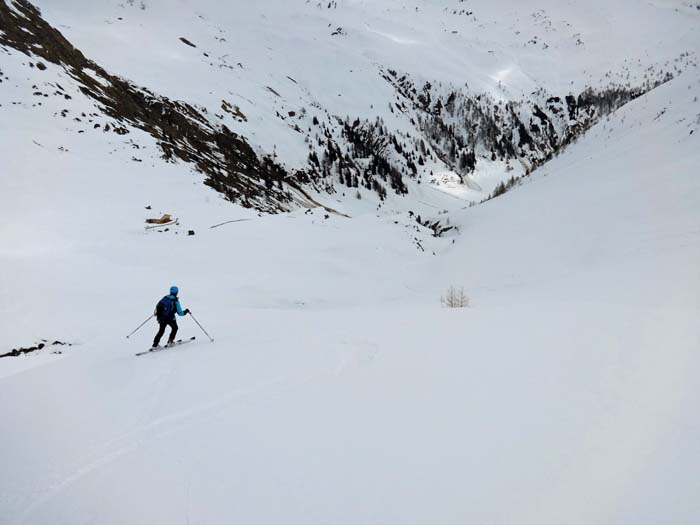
x: 337, y: 390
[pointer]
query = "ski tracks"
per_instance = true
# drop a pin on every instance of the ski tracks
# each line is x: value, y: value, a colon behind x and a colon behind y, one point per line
x: 354, y: 355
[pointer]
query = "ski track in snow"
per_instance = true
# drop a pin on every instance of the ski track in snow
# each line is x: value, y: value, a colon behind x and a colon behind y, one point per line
x: 158, y: 429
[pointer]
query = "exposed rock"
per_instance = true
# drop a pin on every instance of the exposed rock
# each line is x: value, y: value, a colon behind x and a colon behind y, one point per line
x: 182, y: 132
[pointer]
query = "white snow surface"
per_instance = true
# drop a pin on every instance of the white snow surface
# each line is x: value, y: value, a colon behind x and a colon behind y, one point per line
x: 337, y: 389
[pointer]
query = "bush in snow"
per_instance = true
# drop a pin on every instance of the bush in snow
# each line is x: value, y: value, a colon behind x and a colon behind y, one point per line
x: 455, y: 298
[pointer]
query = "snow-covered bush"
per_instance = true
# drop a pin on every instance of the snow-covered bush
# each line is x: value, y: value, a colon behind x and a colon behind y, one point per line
x: 455, y: 298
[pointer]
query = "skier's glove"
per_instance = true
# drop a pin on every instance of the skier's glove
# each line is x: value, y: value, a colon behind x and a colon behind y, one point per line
x: 187, y: 311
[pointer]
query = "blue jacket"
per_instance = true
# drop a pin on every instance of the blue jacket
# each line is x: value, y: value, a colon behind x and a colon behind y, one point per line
x: 178, y: 308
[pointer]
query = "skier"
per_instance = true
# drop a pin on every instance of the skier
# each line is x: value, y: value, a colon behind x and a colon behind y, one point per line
x: 165, y: 312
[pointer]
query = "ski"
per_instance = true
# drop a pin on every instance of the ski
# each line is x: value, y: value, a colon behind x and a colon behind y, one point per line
x: 160, y: 348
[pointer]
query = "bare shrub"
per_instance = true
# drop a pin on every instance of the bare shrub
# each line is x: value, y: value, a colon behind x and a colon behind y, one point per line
x: 455, y: 298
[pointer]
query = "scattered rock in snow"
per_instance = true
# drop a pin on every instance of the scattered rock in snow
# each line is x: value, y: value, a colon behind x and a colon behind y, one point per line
x: 22, y: 350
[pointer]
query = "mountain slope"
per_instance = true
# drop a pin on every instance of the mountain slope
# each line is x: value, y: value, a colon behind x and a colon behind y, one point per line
x: 337, y: 390
x: 517, y: 85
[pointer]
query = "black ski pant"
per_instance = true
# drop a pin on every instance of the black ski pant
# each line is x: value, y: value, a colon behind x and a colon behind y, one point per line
x: 173, y: 331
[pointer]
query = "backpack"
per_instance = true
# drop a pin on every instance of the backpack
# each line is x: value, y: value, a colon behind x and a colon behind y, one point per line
x: 165, y: 309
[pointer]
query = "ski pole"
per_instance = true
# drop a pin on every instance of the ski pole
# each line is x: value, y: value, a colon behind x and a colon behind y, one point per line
x: 140, y: 326
x: 203, y: 330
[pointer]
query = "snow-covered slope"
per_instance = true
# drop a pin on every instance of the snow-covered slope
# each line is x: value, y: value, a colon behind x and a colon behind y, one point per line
x: 355, y: 97
x: 337, y: 389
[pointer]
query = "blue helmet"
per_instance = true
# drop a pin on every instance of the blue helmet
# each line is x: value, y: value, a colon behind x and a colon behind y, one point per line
x: 174, y: 290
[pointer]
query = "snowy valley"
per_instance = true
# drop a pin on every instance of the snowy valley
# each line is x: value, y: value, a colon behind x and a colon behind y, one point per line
x: 332, y: 168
